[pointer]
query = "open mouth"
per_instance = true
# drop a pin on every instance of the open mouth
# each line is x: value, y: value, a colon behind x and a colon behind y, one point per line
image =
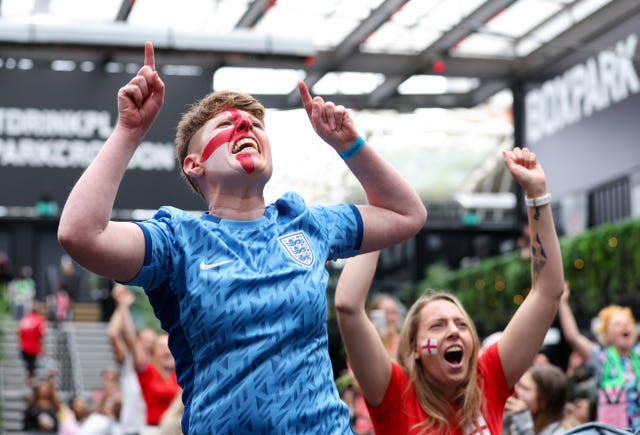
x: 453, y: 355
x: 243, y: 144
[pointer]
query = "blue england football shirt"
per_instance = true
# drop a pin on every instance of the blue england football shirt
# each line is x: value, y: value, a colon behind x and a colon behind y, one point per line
x: 244, y: 303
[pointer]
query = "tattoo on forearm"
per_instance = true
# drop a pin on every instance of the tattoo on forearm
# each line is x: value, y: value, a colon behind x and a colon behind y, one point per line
x: 536, y: 214
x: 538, y: 256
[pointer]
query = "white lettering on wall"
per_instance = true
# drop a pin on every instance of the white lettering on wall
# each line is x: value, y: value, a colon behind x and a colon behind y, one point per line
x: 54, y: 138
x: 70, y: 153
x: 54, y: 123
x: 587, y: 88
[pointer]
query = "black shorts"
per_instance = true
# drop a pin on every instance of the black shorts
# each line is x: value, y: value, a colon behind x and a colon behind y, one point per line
x: 30, y: 362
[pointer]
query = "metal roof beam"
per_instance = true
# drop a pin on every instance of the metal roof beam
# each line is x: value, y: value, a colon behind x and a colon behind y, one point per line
x: 350, y: 43
x: 486, y: 90
x: 254, y: 13
x: 566, y: 8
x: 369, y: 25
x: 114, y: 37
x: 471, y: 23
x: 397, y: 64
x: 402, y: 103
x: 544, y: 61
x: 125, y: 10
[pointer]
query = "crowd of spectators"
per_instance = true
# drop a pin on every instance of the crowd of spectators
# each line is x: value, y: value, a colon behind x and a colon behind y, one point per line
x: 139, y: 393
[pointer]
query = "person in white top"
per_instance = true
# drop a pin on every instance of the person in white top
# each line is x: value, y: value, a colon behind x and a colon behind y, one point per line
x: 133, y: 411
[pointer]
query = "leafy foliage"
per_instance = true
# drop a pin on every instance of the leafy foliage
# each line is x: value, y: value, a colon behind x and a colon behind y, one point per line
x: 602, y: 266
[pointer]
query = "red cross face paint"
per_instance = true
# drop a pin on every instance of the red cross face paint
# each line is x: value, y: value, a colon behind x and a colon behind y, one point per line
x: 429, y: 346
x: 236, y: 134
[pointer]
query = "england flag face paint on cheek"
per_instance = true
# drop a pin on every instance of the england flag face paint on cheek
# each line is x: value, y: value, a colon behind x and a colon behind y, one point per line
x: 429, y: 346
x: 231, y: 134
x: 216, y: 142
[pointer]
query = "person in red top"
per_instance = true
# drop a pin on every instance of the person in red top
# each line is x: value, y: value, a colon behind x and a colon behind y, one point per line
x: 31, y: 331
x: 155, y: 368
x: 441, y: 384
x: 158, y: 380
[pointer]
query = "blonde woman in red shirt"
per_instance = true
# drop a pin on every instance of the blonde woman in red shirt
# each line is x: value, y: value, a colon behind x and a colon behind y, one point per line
x: 440, y: 384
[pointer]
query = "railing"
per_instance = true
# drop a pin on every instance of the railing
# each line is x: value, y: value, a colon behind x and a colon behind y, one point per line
x: 73, y: 357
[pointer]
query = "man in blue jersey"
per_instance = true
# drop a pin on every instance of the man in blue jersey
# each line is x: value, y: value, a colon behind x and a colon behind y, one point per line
x: 240, y: 289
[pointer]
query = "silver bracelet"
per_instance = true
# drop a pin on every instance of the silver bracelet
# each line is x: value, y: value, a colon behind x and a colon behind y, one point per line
x: 537, y: 202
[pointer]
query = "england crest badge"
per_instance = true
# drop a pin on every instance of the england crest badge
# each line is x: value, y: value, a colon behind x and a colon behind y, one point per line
x: 298, y: 247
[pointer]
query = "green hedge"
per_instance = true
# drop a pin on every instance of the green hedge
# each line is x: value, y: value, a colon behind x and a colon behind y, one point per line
x: 601, y: 265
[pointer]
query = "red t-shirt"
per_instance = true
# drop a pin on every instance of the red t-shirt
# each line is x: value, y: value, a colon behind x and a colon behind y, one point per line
x: 398, y: 413
x: 31, y: 329
x: 157, y: 391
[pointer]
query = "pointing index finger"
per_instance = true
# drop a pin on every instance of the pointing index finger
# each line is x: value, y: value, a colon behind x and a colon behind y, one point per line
x: 149, y: 57
x: 305, y: 96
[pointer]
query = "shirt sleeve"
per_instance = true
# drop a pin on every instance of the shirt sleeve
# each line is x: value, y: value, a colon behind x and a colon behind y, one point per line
x: 343, y: 229
x: 158, y: 237
x: 386, y: 412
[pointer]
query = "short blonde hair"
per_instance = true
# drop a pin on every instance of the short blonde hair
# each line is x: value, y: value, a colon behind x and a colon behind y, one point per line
x: 605, y: 315
x: 205, y: 109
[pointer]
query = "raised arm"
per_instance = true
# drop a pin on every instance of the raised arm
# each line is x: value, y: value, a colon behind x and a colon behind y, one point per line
x: 395, y: 212
x: 369, y: 360
x: 108, y: 248
x: 576, y: 340
x: 525, y: 333
x: 124, y: 301
x: 114, y: 328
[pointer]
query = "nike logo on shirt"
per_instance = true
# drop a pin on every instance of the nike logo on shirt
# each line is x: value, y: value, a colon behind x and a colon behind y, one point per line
x: 205, y: 266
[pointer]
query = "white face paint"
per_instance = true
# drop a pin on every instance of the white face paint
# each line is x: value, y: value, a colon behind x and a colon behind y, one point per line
x: 429, y: 346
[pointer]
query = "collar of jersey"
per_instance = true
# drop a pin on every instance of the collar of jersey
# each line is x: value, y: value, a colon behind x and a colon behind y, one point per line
x: 233, y: 223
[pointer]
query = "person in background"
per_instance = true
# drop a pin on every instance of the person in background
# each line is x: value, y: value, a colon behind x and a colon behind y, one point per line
x: 110, y: 386
x: 582, y: 390
x: 72, y: 416
x: 104, y: 419
x: 440, y: 382
x: 616, y: 362
x: 384, y: 311
x: 582, y: 406
x: 155, y: 366
x: 78, y: 405
x: 32, y: 329
x: 133, y: 412
x: 41, y: 413
x: 22, y: 291
x: 69, y: 278
x: 59, y: 305
x: 241, y: 288
x: 6, y: 272
x: 538, y: 406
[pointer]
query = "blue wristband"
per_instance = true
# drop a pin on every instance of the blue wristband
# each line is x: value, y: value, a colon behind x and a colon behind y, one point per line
x: 353, y: 149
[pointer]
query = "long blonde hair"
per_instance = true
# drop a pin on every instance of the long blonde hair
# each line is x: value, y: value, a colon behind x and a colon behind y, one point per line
x: 468, y: 402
